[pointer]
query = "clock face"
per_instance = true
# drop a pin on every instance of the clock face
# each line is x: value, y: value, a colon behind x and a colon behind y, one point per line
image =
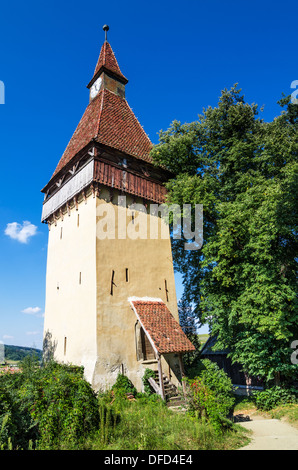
x: 95, y: 87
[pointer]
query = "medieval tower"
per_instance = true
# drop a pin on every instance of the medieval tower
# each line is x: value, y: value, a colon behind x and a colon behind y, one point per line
x: 110, y: 291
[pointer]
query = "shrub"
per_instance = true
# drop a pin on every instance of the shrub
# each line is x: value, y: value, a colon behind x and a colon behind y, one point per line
x: 123, y: 385
x: 211, y: 395
x: 220, y: 383
x: 65, y: 406
x: 275, y: 396
x: 17, y: 426
x: 147, y: 387
x: 51, y: 407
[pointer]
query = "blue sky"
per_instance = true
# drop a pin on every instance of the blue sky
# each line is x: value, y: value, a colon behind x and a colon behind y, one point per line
x: 178, y: 56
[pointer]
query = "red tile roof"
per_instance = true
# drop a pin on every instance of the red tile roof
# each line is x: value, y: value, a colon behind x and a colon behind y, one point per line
x: 159, y: 324
x: 110, y: 121
x: 108, y: 60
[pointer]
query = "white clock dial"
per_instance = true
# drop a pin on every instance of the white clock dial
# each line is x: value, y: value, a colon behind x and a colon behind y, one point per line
x: 95, y: 87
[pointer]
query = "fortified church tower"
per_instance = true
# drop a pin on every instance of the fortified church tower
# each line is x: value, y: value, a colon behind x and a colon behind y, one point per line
x: 110, y: 291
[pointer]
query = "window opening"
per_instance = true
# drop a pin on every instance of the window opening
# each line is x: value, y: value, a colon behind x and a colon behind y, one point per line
x: 166, y: 289
x: 112, y: 283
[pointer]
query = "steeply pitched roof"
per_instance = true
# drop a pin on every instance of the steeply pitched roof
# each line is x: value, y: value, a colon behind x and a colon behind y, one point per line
x: 161, y: 327
x: 108, y: 61
x: 108, y: 120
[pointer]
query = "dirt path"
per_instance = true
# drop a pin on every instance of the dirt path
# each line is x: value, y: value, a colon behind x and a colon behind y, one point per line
x: 270, y: 434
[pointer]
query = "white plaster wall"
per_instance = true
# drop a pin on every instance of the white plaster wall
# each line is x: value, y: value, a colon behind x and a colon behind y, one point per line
x: 100, y: 328
x: 71, y: 310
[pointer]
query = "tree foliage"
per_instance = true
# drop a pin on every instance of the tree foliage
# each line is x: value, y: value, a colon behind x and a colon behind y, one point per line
x: 243, y: 280
x: 51, y: 406
x: 189, y: 325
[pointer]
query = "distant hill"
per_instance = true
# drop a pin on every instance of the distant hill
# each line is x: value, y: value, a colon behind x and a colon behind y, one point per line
x: 203, y: 339
x: 17, y: 353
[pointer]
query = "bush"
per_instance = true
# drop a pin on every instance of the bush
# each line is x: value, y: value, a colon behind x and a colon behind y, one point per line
x: 17, y: 426
x: 64, y: 406
x: 147, y: 387
x: 52, y: 406
x: 211, y: 395
x: 123, y: 385
x: 270, y: 398
x: 219, y: 382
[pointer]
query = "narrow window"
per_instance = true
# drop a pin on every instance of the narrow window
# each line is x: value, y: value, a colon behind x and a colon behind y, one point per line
x: 57, y: 286
x: 61, y: 233
x: 65, y: 341
x: 112, y: 283
x: 126, y: 275
x: 147, y: 349
x: 80, y: 278
x: 166, y: 289
x: 133, y: 217
x: 78, y: 220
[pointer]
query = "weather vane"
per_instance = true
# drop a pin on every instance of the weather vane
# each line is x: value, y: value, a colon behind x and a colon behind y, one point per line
x: 106, y: 29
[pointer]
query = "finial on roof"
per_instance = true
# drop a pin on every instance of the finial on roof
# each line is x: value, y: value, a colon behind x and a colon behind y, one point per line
x: 106, y: 29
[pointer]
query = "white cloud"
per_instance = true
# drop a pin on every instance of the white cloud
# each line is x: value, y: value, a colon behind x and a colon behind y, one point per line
x: 19, y: 232
x: 32, y: 333
x: 31, y: 310
x: 7, y: 337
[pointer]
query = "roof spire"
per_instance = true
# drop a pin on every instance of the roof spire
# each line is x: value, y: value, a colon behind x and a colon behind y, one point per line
x: 106, y: 29
x: 107, y: 62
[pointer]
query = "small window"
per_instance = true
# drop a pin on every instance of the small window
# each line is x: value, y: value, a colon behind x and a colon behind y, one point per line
x: 80, y: 278
x: 133, y: 217
x: 65, y: 343
x: 112, y: 283
x: 78, y: 220
x: 126, y: 275
x: 61, y: 231
x: 166, y: 290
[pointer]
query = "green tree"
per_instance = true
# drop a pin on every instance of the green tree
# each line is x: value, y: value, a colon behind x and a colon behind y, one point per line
x: 243, y: 280
x: 189, y: 324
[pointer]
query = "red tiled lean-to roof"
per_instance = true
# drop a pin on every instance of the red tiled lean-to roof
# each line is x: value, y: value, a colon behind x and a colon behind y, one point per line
x: 110, y: 121
x: 159, y: 324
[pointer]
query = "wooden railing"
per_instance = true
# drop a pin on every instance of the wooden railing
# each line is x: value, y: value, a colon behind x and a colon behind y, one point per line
x: 154, y: 385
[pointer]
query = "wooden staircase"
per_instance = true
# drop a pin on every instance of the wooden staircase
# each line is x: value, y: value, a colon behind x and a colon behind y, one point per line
x: 173, y: 398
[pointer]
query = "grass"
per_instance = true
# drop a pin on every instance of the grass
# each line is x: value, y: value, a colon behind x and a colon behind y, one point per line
x: 245, y: 405
x: 287, y: 412
x: 146, y: 426
x: 203, y: 339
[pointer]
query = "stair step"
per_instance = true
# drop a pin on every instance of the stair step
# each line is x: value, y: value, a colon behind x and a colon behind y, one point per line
x: 170, y: 389
x: 176, y: 402
x: 178, y: 408
x: 176, y: 397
